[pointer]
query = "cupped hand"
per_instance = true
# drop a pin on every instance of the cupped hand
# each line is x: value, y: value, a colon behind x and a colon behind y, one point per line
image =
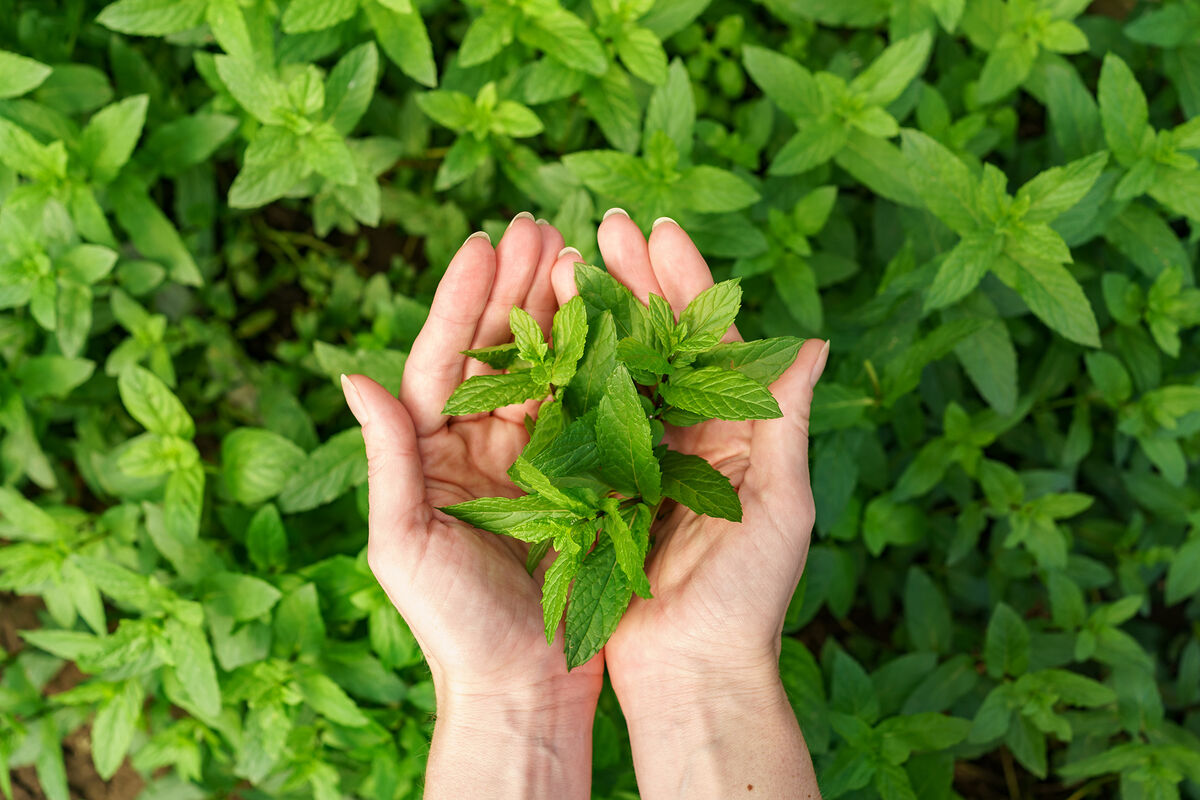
x: 721, y: 589
x: 465, y: 593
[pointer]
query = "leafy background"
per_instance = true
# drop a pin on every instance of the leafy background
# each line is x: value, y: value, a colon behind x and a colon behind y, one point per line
x: 211, y: 208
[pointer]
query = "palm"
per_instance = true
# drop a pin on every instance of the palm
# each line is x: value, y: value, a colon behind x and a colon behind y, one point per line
x: 465, y: 593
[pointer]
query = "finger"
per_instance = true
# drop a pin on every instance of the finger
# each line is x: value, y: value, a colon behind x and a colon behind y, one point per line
x: 625, y: 255
x: 540, y: 301
x: 517, y: 257
x: 396, y: 484
x: 779, y: 447
x: 679, y: 268
x: 435, y: 364
x: 562, y: 276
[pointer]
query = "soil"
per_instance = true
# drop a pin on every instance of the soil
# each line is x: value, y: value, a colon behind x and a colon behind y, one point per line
x: 21, y: 613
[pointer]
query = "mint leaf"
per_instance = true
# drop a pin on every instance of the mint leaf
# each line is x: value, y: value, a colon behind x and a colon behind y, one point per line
x: 573, y: 452
x: 501, y: 514
x: 586, y: 388
x: 642, y: 358
x: 533, y: 480
x: 943, y: 182
x: 527, y: 335
x: 763, y: 360
x: 569, y: 332
x: 488, y: 392
x: 598, y: 600
x: 150, y: 402
x: 691, y: 480
x: 713, y: 310
x: 555, y: 587
x: 720, y: 393
x: 1123, y: 110
x: 1059, y: 188
x: 498, y: 356
x: 623, y: 439
x: 602, y: 292
x: 962, y: 269
x: 630, y: 555
x: 1055, y: 297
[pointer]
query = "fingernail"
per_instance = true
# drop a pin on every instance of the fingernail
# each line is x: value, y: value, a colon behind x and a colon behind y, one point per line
x: 661, y: 220
x: 819, y: 366
x: 615, y: 210
x: 480, y: 235
x: 570, y: 251
x: 521, y: 215
x: 354, y: 400
x: 541, y: 221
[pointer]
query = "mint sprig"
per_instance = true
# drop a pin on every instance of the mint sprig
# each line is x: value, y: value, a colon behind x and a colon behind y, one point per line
x: 595, y: 471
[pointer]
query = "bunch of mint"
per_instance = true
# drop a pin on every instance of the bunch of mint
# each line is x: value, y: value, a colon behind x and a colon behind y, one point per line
x: 596, y: 470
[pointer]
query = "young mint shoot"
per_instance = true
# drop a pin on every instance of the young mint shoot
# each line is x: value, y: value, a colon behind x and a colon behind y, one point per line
x: 596, y: 470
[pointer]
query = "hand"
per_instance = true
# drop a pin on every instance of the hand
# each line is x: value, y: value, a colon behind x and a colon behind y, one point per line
x: 721, y: 589
x: 465, y: 593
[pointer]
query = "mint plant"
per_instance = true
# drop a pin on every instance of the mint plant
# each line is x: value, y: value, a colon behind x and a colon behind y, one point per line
x: 597, y: 470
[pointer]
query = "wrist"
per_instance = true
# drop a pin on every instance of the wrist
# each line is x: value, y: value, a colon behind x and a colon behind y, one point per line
x: 687, y: 693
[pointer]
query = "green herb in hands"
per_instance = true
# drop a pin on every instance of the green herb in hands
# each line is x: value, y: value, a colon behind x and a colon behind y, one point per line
x: 596, y: 470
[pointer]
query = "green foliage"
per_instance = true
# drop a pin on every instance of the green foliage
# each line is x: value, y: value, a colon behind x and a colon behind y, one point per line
x: 209, y: 209
x: 605, y: 471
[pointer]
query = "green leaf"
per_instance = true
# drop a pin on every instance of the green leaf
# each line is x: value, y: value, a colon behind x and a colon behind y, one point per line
x: 503, y: 514
x: 1056, y: 298
x: 1059, y: 188
x: 329, y: 700
x: 893, y: 70
x: 183, y: 502
x: 302, y: 16
x: 643, y: 54
x: 713, y: 310
x: 498, y: 356
x: 710, y: 190
x: 599, y: 358
x: 239, y: 597
x: 565, y: 37
x: 350, y: 86
x: 194, y: 665
x: 962, y: 269
x: 405, y: 40
x: 150, y: 402
x: 327, y: 472
x: 257, y: 91
x: 926, y: 615
x: 1183, y: 576
x: 763, y: 360
x: 815, y: 143
x: 256, y: 463
x: 792, y: 87
x: 1007, y: 66
x: 527, y: 476
x: 488, y: 392
x: 555, y: 586
x: 52, y: 376
x: 152, y: 233
x: 152, y: 17
x: 527, y: 334
x: 1123, y: 110
x: 598, y: 600
x: 720, y: 393
x: 19, y: 75
x: 640, y: 358
x: 513, y: 119
x: 630, y: 555
x: 569, y: 333
x: 623, y: 439
x: 691, y: 480
x: 266, y: 539
x: 943, y: 182
x: 672, y: 110
x: 108, y: 140
x: 1006, y: 648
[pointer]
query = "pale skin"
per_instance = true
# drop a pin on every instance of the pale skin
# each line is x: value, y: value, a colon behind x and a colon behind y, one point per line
x: 696, y: 667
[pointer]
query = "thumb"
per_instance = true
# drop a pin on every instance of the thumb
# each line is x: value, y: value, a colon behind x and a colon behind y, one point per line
x: 779, y: 447
x: 396, y: 481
